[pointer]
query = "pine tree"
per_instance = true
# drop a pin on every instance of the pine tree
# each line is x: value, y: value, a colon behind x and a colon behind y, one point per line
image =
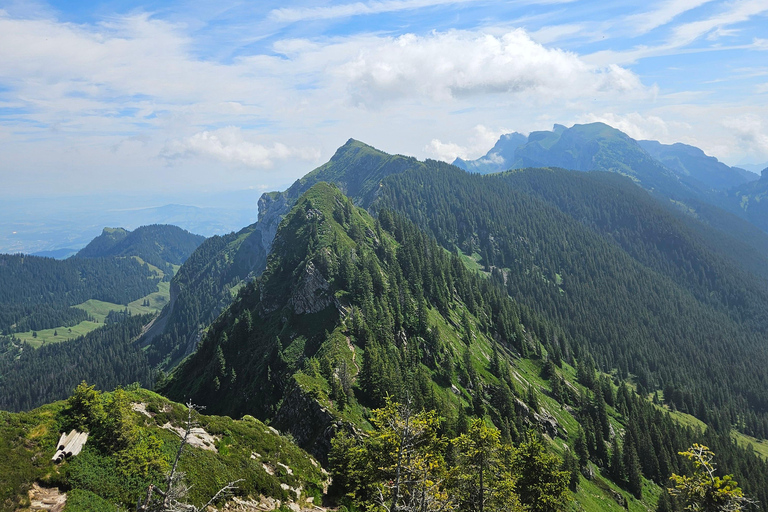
x: 617, y: 467
x: 634, y: 478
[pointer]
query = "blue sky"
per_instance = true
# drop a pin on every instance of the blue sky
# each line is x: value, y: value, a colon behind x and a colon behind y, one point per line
x: 197, y: 96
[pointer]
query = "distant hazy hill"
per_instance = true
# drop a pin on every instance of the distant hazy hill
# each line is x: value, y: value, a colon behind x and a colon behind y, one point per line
x: 696, y: 183
x: 597, y: 146
x: 692, y: 163
x: 58, y: 254
x: 755, y: 168
x: 750, y: 200
x: 155, y: 244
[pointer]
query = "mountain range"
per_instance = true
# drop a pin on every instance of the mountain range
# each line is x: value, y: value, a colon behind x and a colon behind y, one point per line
x: 596, y: 295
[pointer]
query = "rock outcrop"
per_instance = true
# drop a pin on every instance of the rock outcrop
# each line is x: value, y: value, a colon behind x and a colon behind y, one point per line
x: 311, y: 425
x: 311, y: 295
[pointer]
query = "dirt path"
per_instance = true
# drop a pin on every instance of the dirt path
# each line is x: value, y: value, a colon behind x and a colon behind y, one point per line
x: 354, y: 356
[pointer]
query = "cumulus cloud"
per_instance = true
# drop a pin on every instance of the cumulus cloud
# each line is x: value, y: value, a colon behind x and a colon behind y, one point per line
x: 481, y: 140
x: 750, y: 133
x: 230, y: 145
x: 447, y: 65
x: 637, y: 126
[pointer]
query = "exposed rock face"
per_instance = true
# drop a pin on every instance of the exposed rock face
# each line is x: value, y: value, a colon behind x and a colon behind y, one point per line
x: 549, y: 424
x: 545, y: 421
x: 311, y: 295
x: 310, y: 424
x: 273, y: 206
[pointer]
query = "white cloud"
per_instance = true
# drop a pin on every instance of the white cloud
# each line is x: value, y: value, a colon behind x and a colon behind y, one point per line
x: 760, y: 44
x: 229, y: 145
x: 291, y: 15
x: 445, y: 151
x: 481, y: 140
x: 750, y: 132
x: 683, y: 35
x: 662, y: 14
x: 739, y: 11
x: 447, y: 65
x: 638, y: 126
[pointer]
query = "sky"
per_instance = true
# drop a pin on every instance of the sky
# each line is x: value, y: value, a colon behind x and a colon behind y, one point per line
x: 199, y: 96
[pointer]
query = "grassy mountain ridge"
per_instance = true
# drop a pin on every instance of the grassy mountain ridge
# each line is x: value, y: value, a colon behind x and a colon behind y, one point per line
x: 202, y: 287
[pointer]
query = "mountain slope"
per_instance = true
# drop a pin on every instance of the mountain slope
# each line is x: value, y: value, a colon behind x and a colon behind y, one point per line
x: 338, y: 284
x: 202, y: 287
x: 597, y: 146
x: 683, y: 174
x: 352, y: 309
x: 156, y: 244
x: 621, y: 303
x: 750, y: 201
x: 134, y: 437
x: 37, y: 293
x: 500, y: 157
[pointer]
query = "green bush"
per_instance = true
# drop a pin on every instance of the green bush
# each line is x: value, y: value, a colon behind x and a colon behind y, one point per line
x: 79, y: 500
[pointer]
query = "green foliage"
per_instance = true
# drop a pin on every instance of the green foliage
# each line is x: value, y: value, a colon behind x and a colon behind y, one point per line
x: 399, y: 467
x: 704, y: 491
x: 80, y: 500
x: 541, y: 484
x: 483, y: 476
x: 403, y: 457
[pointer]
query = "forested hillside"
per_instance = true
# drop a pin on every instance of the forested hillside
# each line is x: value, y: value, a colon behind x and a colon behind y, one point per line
x: 106, y: 357
x: 748, y: 201
x: 201, y: 289
x: 36, y: 293
x: 622, y: 304
x: 352, y: 309
x: 158, y: 245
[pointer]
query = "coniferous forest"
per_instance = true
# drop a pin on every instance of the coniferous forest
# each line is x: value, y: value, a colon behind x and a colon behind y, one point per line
x: 36, y: 293
x: 646, y: 301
